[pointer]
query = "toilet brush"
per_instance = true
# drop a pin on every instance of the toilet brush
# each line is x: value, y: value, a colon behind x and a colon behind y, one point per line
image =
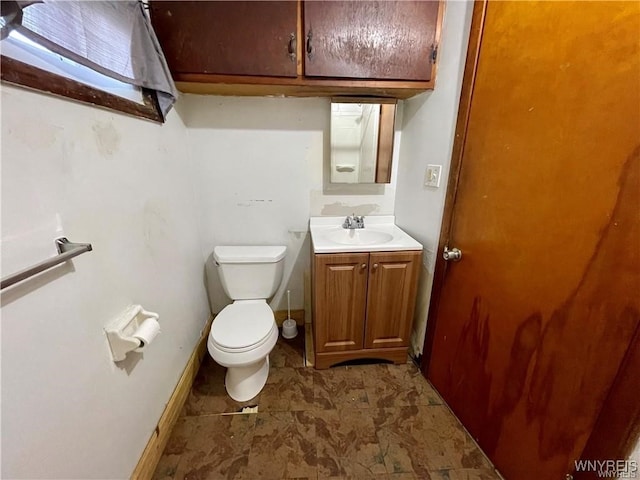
x: 289, y: 327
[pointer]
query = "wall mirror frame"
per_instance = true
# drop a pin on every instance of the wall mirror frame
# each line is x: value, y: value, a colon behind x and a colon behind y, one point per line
x: 362, y: 134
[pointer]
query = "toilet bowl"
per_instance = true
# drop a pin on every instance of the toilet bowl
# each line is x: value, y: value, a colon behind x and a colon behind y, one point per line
x: 244, y: 333
x: 242, y: 336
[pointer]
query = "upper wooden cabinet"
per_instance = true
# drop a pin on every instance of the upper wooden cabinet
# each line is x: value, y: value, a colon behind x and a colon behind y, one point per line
x: 391, y: 40
x: 318, y: 48
x: 228, y: 37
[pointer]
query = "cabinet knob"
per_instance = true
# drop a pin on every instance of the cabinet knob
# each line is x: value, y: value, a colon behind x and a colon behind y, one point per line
x: 291, y: 48
x: 309, y: 45
x: 375, y: 265
x: 363, y: 266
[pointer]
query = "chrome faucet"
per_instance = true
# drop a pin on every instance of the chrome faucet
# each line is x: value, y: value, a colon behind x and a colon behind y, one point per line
x: 353, y: 221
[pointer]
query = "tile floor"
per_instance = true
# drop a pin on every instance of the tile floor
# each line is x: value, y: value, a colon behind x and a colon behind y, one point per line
x: 357, y: 422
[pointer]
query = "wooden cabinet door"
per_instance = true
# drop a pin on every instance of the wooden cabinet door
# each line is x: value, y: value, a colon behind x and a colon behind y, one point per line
x: 391, y: 298
x: 227, y: 37
x: 339, y: 290
x: 390, y: 40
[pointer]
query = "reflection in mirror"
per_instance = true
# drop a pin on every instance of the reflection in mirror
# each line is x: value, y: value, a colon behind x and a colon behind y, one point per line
x: 361, y: 140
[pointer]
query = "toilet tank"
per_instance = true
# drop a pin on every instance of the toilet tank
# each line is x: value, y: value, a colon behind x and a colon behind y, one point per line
x: 250, y: 272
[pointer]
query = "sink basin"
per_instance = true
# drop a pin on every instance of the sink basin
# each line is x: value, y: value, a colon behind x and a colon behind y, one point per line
x: 380, y: 234
x: 345, y: 236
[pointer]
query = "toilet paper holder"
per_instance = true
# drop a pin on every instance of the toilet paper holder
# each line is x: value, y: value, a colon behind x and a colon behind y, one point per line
x: 132, y: 330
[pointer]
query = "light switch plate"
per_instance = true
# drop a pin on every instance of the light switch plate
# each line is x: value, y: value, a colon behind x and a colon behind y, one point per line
x: 432, y: 176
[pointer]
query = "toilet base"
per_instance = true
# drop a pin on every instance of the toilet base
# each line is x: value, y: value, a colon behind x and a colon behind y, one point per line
x: 244, y: 383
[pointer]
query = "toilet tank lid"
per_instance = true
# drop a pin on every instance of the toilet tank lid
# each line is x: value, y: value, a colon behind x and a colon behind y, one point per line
x: 249, y: 254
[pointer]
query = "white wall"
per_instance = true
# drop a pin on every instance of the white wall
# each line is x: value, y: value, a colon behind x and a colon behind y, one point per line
x: 427, y: 138
x: 262, y: 170
x: 124, y: 185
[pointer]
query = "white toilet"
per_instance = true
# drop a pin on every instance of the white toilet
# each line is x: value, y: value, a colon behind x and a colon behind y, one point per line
x: 244, y: 333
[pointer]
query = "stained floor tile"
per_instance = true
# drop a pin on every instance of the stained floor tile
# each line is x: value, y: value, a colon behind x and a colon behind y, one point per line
x: 421, y: 439
x: 465, y: 474
x: 339, y: 387
x: 208, y: 447
x: 360, y: 422
x: 208, y: 395
x: 347, y: 444
x: 287, y: 389
x: 289, y: 353
x: 398, y: 386
x: 167, y: 466
x: 383, y: 476
x: 283, y: 447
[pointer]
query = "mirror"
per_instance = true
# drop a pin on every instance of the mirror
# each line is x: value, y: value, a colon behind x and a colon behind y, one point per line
x: 362, y: 132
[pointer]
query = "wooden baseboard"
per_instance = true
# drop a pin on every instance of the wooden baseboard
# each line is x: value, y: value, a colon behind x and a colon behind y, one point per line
x: 297, y: 315
x: 155, y: 446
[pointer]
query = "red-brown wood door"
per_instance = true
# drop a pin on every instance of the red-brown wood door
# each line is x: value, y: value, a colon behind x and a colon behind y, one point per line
x: 385, y: 40
x: 340, y: 292
x: 391, y: 298
x: 617, y: 431
x: 227, y: 37
x: 529, y: 329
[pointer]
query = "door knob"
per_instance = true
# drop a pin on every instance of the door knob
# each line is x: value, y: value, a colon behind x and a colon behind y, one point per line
x: 453, y: 255
x: 363, y: 266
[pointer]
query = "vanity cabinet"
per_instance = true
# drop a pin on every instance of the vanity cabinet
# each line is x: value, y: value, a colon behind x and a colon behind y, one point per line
x: 380, y: 48
x: 363, y: 305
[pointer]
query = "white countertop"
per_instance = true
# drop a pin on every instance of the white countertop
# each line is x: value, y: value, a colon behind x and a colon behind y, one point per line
x: 328, y: 236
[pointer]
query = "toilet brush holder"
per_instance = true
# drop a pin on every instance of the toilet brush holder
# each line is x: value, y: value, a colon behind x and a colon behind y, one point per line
x: 289, y: 329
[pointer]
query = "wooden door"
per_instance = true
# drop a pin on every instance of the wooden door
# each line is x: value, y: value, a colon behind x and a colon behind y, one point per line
x: 390, y: 40
x: 227, y: 37
x: 339, y: 290
x: 391, y: 298
x: 527, y: 332
x: 617, y: 430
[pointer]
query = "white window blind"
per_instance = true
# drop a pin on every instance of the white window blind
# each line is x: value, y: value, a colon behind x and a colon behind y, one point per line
x: 114, y: 38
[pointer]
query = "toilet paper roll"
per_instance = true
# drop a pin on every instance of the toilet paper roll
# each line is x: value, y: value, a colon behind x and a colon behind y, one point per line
x: 146, y: 333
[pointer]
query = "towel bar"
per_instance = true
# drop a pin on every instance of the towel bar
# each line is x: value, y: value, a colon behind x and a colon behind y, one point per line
x: 66, y: 251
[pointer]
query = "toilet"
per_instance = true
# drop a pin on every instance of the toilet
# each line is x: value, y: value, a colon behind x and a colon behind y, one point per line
x: 244, y: 333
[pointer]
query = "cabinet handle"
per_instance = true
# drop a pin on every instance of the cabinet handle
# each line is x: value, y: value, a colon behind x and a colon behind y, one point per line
x: 363, y: 266
x: 291, y: 48
x: 309, y: 45
x: 375, y: 265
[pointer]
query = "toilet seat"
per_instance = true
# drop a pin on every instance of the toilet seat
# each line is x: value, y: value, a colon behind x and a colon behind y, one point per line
x: 244, y: 325
x: 244, y: 349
